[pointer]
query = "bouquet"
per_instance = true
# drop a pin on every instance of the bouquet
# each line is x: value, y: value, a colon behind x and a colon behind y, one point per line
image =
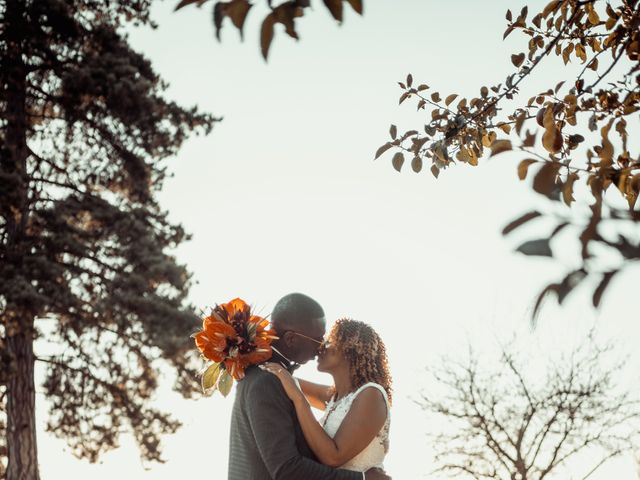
x: 232, y: 338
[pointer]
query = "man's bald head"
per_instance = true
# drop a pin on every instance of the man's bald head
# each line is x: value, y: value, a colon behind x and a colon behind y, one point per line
x: 297, y: 312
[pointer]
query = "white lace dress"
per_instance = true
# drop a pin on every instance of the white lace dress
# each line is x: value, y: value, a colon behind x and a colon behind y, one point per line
x: 374, y: 453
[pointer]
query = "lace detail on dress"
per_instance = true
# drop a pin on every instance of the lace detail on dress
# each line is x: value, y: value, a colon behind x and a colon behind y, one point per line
x: 374, y: 453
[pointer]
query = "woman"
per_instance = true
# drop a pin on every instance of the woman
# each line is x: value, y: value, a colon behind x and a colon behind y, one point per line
x: 354, y: 430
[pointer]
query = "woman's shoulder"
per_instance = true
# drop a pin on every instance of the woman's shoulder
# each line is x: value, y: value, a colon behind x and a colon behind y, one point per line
x: 367, y: 392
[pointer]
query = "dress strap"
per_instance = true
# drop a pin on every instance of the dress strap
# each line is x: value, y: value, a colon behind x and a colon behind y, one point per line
x: 374, y: 385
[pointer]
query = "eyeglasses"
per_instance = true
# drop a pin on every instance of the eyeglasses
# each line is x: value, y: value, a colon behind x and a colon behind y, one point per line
x: 319, y: 342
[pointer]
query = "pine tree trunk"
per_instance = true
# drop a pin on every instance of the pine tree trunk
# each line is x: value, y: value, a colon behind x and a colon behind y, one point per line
x: 21, y: 411
x: 18, y: 319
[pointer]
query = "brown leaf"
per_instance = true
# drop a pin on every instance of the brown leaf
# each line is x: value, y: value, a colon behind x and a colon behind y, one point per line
x: 504, y: 127
x: 552, y: 137
x: 591, y: 230
x: 435, y: 171
x: 509, y: 29
x: 523, y: 167
x: 581, y: 53
x: 520, y: 119
x: 602, y: 286
x: 520, y: 221
x: 409, y: 80
x: 569, y: 283
x: 416, y: 164
x: 567, y: 188
x: 554, y: 287
x: 356, y: 5
x: 266, y: 34
x: 435, y: 97
x: 335, y: 7
x: 488, y: 138
x: 450, y: 98
x: 397, y: 161
x: 517, y: 59
x: 236, y: 10
x: 606, y: 152
x: 184, y: 3
x: 545, y: 180
x: 551, y: 7
x: 499, y: 146
x: 393, y: 131
x: 285, y: 14
x: 382, y: 149
x: 536, y: 248
x: 558, y: 86
x: 529, y: 139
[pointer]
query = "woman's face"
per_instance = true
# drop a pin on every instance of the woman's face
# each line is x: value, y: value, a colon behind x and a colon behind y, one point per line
x: 329, y: 357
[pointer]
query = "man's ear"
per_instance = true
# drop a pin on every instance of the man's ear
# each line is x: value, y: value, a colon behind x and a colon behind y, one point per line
x: 289, y: 340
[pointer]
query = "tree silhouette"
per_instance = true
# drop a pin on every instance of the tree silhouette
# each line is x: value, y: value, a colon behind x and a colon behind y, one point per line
x: 84, y: 245
x: 508, y: 424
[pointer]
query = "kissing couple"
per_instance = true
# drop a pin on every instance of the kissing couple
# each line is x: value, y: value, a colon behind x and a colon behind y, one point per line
x: 274, y: 434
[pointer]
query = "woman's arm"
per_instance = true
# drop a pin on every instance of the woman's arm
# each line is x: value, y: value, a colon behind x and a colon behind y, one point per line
x: 317, y: 394
x: 363, y: 422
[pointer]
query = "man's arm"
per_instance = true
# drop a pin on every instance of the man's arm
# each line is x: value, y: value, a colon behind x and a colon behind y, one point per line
x: 271, y: 417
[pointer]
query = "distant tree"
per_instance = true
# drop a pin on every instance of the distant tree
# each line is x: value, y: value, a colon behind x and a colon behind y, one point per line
x: 284, y: 13
x: 578, y: 118
x: 510, y: 423
x: 85, y: 262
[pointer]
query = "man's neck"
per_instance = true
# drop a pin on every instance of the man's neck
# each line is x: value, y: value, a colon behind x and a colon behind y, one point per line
x: 282, y: 359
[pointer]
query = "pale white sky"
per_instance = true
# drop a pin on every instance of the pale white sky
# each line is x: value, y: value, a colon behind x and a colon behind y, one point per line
x: 284, y: 196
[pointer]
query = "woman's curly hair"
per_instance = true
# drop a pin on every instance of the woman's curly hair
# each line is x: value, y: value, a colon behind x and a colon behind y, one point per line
x: 364, y: 350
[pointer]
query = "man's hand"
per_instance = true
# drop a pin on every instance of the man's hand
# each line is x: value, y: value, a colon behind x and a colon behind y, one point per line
x: 376, y: 474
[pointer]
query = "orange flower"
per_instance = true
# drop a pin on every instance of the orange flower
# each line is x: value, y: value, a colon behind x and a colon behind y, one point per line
x: 234, y: 337
x: 212, y: 340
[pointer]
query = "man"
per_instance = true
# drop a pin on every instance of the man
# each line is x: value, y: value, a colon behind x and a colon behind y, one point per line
x: 266, y: 439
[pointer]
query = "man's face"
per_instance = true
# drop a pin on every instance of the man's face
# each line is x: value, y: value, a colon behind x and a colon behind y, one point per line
x: 305, y: 342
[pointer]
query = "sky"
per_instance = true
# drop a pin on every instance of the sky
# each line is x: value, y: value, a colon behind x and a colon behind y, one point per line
x: 284, y: 195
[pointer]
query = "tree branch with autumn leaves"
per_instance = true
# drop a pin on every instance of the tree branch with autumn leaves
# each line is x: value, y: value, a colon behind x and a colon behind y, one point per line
x: 577, y: 121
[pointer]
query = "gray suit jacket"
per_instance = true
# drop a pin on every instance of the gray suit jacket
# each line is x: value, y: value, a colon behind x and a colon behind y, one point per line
x: 266, y: 441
